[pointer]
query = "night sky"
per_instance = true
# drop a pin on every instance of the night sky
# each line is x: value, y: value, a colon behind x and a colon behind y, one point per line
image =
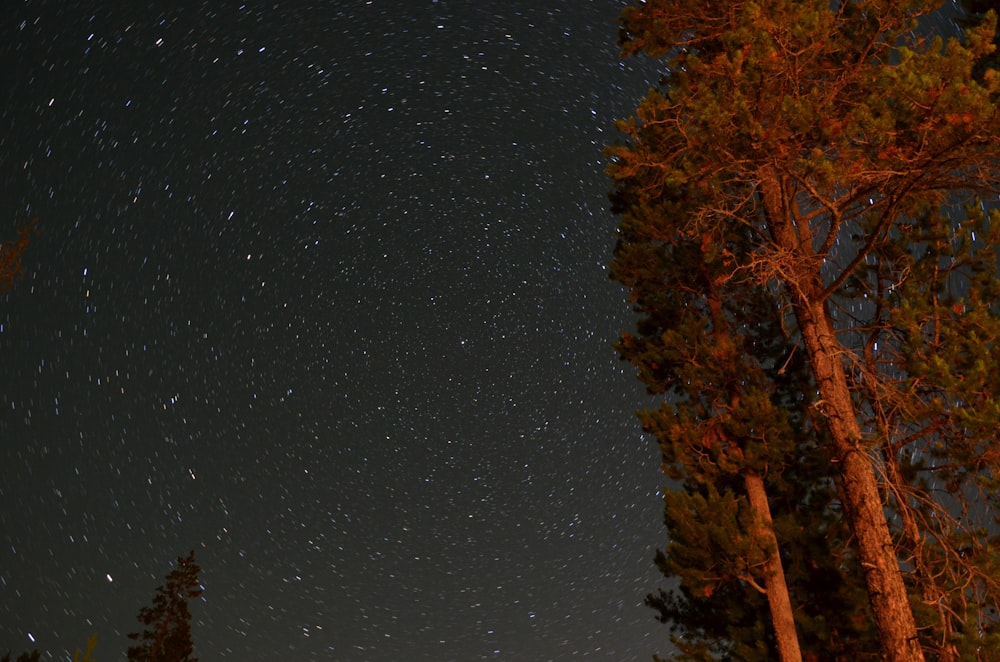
x: 320, y: 293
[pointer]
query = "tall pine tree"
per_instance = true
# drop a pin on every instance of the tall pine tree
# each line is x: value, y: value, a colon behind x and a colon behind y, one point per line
x: 815, y: 152
x: 167, y: 637
x: 735, y: 428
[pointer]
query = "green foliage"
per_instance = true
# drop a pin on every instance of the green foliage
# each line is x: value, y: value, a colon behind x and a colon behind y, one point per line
x: 167, y: 637
x: 737, y: 400
x: 870, y: 134
x: 941, y: 409
x: 977, y: 13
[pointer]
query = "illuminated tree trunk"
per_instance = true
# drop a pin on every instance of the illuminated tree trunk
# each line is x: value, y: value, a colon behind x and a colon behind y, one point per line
x: 862, y: 501
x: 774, y: 575
x: 840, y: 138
x: 775, y: 587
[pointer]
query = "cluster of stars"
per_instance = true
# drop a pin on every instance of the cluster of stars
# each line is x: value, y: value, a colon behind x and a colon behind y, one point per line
x: 320, y: 295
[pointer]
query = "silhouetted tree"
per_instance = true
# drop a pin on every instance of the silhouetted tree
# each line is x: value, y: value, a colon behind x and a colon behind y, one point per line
x: 33, y: 656
x: 11, y: 252
x: 36, y: 655
x: 167, y: 637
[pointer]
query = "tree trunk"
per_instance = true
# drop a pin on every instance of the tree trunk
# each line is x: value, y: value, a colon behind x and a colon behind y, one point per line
x: 775, y: 587
x: 774, y: 575
x: 862, y: 501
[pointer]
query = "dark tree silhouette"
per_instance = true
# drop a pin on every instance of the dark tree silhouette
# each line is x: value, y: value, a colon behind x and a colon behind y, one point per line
x: 33, y: 656
x: 11, y: 252
x: 167, y: 637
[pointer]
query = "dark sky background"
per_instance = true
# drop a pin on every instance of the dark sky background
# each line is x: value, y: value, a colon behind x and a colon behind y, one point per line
x: 320, y: 293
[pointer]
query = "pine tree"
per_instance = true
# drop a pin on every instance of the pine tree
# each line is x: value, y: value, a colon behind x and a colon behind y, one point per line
x: 834, y: 141
x: 737, y: 419
x: 11, y: 252
x: 167, y: 637
x: 975, y: 14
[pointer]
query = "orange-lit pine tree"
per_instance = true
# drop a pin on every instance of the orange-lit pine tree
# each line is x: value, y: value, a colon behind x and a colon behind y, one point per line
x: 815, y: 171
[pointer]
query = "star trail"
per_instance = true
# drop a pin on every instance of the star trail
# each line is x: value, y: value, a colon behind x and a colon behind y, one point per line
x: 320, y: 293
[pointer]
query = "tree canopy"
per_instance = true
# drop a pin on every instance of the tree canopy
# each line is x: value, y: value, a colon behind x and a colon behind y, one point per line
x: 810, y: 237
x: 167, y: 637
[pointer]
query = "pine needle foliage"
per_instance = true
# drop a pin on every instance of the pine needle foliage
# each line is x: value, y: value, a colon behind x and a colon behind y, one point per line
x: 808, y: 238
